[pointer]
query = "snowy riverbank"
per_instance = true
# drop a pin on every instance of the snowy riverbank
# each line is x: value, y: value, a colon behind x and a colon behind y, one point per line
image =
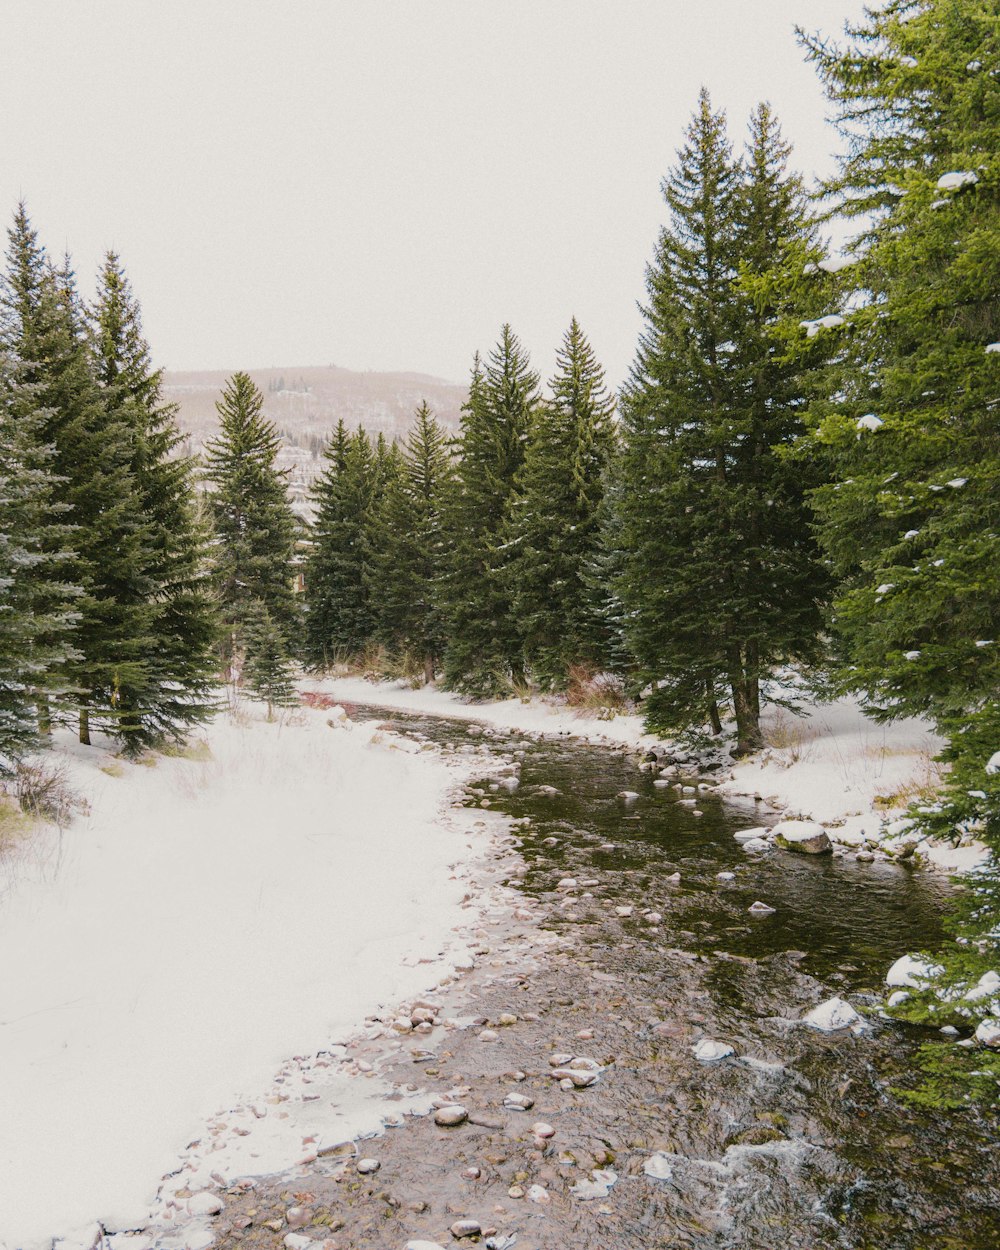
x: 832, y: 764
x: 207, y: 920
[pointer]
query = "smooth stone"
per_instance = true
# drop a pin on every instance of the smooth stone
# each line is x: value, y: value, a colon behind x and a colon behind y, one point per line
x: 805, y: 836
x: 833, y: 1015
x: 708, y: 1051
x: 367, y: 1166
x: 560, y: 1060
x: 760, y: 909
x: 538, y: 1193
x: 465, y: 1228
x: 747, y: 835
x: 725, y: 876
x: 205, y: 1204
x: 488, y: 1035
x: 518, y: 1102
x: 450, y: 1115
x: 541, y: 1129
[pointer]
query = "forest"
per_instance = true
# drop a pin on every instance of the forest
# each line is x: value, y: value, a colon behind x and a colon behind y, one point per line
x: 801, y: 473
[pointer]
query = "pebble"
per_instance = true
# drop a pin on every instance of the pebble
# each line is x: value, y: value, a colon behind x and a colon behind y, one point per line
x: 585, y: 1035
x: 760, y: 909
x: 579, y: 1078
x: 488, y: 1035
x: 725, y: 876
x: 465, y: 1228
x: 423, y: 1245
x: 518, y: 1102
x: 298, y: 1217
x: 515, y: 1191
x: 560, y: 1060
x: 507, y: 1019
x: 472, y: 1174
x: 541, y: 1129
x: 450, y: 1115
x: 367, y: 1166
x: 624, y: 911
x: 538, y: 1193
x: 298, y: 1241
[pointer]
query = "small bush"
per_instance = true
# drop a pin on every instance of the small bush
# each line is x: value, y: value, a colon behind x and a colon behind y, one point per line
x: 42, y: 790
x: 595, y: 693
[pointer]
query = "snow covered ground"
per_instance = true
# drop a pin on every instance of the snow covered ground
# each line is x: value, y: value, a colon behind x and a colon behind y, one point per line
x: 831, y: 764
x: 168, y: 953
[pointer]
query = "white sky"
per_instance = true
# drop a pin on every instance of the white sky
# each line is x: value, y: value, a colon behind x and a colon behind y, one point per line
x: 380, y: 183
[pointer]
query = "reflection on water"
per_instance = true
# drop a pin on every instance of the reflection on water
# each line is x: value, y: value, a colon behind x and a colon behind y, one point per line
x: 798, y: 1140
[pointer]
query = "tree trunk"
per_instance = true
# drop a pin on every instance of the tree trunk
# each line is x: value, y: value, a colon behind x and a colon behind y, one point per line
x: 753, y: 678
x: 748, y: 737
x: 428, y: 668
x: 44, y: 713
x: 714, y: 718
x: 85, y: 726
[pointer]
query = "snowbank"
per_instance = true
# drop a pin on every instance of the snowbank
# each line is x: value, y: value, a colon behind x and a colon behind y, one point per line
x: 206, y: 921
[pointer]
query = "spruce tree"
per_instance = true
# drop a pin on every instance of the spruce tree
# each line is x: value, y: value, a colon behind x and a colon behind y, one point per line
x: 340, y: 618
x: 255, y: 528
x: 484, y: 647
x: 267, y: 671
x: 181, y: 662
x: 553, y: 524
x: 719, y: 581
x: 36, y: 617
x: 912, y: 520
x: 410, y: 556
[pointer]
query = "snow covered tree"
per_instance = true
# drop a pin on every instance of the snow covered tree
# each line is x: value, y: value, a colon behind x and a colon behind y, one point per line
x: 484, y: 647
x: 181, y: 666
x: 912, y: 521
x: 720, y: 580
x: 340, y: 618
x: 552, y: 528
x: 255, y: 527
x: 410, y: 556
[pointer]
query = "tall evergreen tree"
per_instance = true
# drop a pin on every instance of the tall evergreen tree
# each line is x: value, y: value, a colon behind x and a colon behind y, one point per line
x: 409, y: 560
x: 912, y: 521
x: 36, y: 616
x: 255, y: 528
x: 484, y: 647
x: 340, y: 617
x: 553, y: 524
x: 181, y: 663
x: 719, y: 582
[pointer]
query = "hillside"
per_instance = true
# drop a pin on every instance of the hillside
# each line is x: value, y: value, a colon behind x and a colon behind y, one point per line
x: 306, y: 403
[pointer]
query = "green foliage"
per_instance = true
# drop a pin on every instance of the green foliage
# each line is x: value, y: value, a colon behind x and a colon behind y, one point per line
x: 180, y: 667
x: 552, y: 528
x: 267, y: 671
x: 484, y: 646
x: 719, y: 578
x: 951, y: 1079
x: 255, y: 528
x: 340, y: 616
x: 409, y: 550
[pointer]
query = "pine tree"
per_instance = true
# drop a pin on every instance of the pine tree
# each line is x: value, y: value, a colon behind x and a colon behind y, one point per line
x: 484, y: 646
x: 553, y: 525
x: 35, y: 607
x: 267, y: 670
x: 181, y: 663
x: 912, y: 521
x: 340, y: 617
x: 720, y: 582
x: 409, y: 558
x: 255, y: 528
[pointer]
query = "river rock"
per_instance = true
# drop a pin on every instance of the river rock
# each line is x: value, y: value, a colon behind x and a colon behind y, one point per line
x: 488, y: 1035
x: 805, y: 836
x: 560, y: 1060
x: 833, y: 1015
x: 725, y: 876
x: 423, y: 1245
x: 541, y: 1129
x: 756, y: 844
x: 450, y: 1115
x: 518, y: 1102
x: 909, y: 972
x: 204, y: 1204
x: 747, y: 835
x: 580, y: 1078
x: 599, y: 1185
x: 627, y: 796
x: 367, y: 1166
x: 298, y: 1241
x: 659, y: 1166
x: 708, y: 1051
x: 988, y: 1033
x: 465, y: 1228
x: 760, y: 909
x: 538, y: 1193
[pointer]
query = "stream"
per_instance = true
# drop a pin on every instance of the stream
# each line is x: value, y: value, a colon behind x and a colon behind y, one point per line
x: 796, y: 1140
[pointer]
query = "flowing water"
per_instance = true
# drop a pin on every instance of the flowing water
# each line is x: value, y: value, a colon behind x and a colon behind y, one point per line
x: 798, y: 1140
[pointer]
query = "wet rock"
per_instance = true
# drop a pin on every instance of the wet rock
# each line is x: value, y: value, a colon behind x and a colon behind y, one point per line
x: 760, y: 909
x: 833, y: 1015
x: 865, y: 857
x: 628, y: 797
x: 805, y: 836
x: 725, y: 876
x: 749, y: 835
x: 450, y: 1115
x: 756, y: 844
x: 465, y: 1228
x: 708, y: 1051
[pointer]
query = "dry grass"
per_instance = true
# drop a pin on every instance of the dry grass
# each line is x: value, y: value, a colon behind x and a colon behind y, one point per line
x: 15, y: 825
x: 196, y: 749
x: 792, y: 734
x: 112, y: 769
x: 42, y: 790
x: 922, y: 786
x: 592, y: 693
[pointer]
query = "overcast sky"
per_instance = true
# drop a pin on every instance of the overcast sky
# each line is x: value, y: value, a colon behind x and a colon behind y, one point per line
x: 380, y: 184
